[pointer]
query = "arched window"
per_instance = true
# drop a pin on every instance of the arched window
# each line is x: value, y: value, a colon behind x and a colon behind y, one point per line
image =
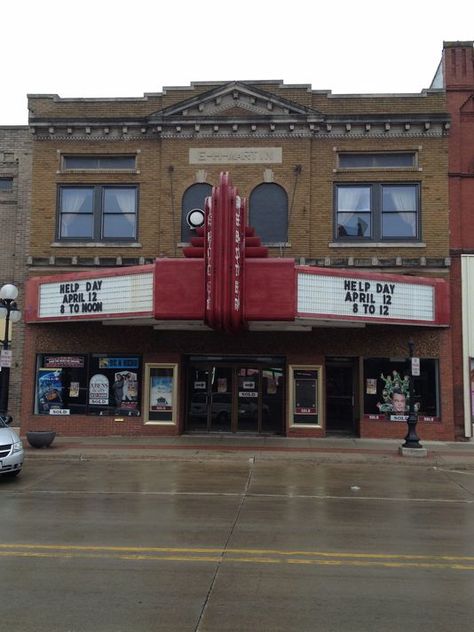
x: 193, y: 198
x: 268, y: 213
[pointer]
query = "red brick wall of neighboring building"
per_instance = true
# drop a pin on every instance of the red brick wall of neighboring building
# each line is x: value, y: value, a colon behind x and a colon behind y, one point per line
x: 458, y: 71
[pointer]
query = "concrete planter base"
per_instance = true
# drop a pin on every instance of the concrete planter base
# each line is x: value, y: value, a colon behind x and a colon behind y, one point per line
x: 40, y: 438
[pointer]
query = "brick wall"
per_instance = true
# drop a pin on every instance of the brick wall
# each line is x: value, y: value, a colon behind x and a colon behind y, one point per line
x: 310, y: 192
x: 15, y: 162
x: 298, y: 348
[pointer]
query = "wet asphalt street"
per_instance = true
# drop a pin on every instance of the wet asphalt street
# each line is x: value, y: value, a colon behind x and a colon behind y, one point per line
x: 219, y: 545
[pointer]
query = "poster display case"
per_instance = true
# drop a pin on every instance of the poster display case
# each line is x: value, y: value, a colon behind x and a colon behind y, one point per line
x: 161, y: 384
x: 305, y: 396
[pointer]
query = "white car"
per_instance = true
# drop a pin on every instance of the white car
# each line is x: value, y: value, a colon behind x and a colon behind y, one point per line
x: 11, y: 449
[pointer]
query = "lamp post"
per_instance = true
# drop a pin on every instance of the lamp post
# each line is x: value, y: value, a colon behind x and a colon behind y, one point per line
x: 411, y: 440
x: 9, y: 312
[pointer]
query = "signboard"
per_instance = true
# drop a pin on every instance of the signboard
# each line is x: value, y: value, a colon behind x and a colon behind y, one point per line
x: 366, y: 299
x: 63, y: 361
x: 96, y: 297
x: 5, y: 358
x: 415, y: 366
x: 235, y: 155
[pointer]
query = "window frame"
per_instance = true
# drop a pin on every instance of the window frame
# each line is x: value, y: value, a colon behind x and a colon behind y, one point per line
x: 376, y: 212
x: 187, y: 207
x: 251, y: 211
x: 169, y: 415
x: 366, y: 154
x: 82, y: 367
x: 301, y: 419
x: 426, y: 386
x: 10, y: 180
x: 98, y: 157
x: 98, y: 214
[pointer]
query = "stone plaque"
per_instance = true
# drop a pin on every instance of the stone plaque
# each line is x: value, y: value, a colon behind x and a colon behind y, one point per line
x: 235, y: 155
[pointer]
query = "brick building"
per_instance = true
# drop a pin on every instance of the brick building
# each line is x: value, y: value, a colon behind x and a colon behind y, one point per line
x: 151, y: 312
x: 456, y: 76
x: 15, y: 190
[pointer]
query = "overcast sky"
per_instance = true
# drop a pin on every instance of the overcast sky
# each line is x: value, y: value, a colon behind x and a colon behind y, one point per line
x: 100, y: 48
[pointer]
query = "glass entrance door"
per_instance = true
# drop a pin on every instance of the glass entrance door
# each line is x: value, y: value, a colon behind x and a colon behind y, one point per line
x: 249, y: 399
x: 210, y: 398
x: 340, y: 397
x: 235, y: 397
x: 220, y: 399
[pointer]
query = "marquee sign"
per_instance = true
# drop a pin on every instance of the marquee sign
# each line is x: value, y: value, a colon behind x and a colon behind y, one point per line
x: 347, y: 295
x: 83, y: 296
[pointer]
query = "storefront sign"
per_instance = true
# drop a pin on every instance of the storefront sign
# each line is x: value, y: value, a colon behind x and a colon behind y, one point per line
x: 59, y: 411
x: 235, y: 155
x: 63, y: 361
x: 415, y: 366
x: 326, y: 295
x: 98, y: 296
x: 5, y: 358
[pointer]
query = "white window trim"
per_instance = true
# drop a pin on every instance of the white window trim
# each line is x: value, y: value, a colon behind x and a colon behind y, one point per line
x: 321, y: 401
x: 146, y: 406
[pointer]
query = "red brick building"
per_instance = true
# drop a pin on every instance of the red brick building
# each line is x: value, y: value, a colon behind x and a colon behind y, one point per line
x: 456, y: 76
x: 165, y: 298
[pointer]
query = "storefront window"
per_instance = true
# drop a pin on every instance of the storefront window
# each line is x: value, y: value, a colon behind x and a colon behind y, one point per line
x: 89, y: 384
x: 386, y: 388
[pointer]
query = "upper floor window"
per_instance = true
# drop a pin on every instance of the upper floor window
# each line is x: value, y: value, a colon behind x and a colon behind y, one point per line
x: 6, y: 185
x: 193, y: 199
x: 98, y: 213
x: 268, y: 213
x: 99, y: 163
x: 377, y: 160
x: 377, y: 211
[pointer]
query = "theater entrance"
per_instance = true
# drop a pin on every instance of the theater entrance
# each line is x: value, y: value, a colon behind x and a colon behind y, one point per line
x: 244, y: 394
x: 340, y: 396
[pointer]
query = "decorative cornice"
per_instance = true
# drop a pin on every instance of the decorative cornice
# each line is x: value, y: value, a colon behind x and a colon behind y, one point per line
x: 231, y: 129
x: 432, y: 263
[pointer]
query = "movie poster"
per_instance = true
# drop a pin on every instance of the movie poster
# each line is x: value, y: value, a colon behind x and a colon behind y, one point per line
x: 161, y: 392
x: 49, y: 390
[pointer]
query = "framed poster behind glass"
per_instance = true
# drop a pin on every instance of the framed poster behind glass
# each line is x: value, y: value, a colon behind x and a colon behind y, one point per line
x: 161, y: 393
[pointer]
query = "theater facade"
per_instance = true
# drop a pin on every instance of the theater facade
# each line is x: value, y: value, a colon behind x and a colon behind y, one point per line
x: 244, y: 257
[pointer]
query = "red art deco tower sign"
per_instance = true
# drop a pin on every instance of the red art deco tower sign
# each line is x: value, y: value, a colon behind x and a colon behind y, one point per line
x: 224, y: 253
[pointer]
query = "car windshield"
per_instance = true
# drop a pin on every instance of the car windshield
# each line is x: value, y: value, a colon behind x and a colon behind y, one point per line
x: 3, y: 422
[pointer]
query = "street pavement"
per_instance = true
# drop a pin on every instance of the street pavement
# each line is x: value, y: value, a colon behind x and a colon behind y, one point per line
x: 238, y: 447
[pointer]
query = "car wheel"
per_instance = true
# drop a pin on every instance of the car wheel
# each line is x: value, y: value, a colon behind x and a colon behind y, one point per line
x: 11, y: 474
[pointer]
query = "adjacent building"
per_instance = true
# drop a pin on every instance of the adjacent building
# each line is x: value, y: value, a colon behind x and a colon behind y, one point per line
x: 456, y: 76
x: 15, y: 191
x: 239, y: 257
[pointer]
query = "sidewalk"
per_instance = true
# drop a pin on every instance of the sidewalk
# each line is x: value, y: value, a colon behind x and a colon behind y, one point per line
x: 199, y: 447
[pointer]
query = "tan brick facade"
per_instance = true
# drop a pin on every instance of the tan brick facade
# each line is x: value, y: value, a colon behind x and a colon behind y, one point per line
x: 310, y: 192
x: 310, y: 129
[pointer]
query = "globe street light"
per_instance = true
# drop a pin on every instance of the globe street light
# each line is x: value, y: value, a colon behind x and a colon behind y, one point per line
x: 9, y: 312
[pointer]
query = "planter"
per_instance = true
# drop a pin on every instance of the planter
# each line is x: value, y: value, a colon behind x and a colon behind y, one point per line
x: 40, y: 438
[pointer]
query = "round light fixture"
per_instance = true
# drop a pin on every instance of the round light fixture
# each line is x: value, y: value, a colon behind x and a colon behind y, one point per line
x: 195, y: 218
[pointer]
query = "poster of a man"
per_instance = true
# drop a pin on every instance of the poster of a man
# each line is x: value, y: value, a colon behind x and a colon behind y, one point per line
x: 399, y: 402
x: 124, y: 389
x: 395, y: 394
